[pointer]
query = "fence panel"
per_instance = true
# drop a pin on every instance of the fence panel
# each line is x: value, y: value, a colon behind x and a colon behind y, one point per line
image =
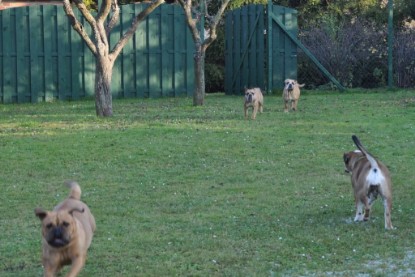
x: 257, y: 54
x: 283, y: 51
x: 244, y: 48
x: 42, y: 58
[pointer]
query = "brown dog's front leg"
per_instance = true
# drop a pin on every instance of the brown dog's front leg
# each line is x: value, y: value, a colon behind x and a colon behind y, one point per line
x: 286, y: 106
x: 254, y: 111
x: 50, y: 266
x: 77, y: 265
x: 294, y: 105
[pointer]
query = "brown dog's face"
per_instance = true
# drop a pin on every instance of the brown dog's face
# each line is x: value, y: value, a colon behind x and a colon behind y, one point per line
x: 350, y: 158
x: 58, y: 228
x: 249, y: 95
x: 289, y: 84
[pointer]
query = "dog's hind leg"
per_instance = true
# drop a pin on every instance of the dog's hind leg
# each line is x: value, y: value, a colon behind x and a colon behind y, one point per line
x: 359, y: 211
x: 387, y: 205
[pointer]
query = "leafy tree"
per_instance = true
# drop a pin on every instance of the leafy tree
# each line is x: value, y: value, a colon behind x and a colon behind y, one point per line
x: 195, y: 11
x: 98, y: 43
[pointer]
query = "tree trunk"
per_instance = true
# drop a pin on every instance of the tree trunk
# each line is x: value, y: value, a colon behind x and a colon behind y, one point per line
x: 103, y: 95
x: 199, y: 93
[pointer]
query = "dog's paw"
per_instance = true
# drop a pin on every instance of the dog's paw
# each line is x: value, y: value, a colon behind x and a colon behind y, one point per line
x: 358, y: 218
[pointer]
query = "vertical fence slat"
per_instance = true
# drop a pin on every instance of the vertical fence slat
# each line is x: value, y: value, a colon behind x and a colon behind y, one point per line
x: 35, y: 74
x: 63, y: 55
x: 127, y: 69
x: 167, y: 58
x: 260, y: 52
x: 238, y: 52
x: 154, y: 54
x: 252, y: 47
x: 179, y: 63
x: 244, y: 46
x: 21, y: 52
x: 228, y: 52
x: 49, y: 42
x: 141, y: 61
x: 8, y: 37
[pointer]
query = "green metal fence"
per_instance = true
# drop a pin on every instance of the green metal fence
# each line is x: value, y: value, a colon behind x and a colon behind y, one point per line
x: 42, y: 58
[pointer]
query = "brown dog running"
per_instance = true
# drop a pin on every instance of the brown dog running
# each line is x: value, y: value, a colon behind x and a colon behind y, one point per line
x: 370, y: 178
x: 67, y: 233
x: 254, y: 99
x: 291, y: 94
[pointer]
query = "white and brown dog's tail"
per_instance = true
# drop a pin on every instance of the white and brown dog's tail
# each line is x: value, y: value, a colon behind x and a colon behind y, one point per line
x: 75, y: 192
x: 375, y: 176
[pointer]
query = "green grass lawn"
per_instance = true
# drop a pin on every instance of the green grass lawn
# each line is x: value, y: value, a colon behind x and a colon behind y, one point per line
x: 178, y: 190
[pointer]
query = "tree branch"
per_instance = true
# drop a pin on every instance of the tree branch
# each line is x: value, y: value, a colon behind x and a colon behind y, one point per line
x: 114, y: 17
x: 192, y: 23
x: 84, y: 11
x: 214, y: 23
x: 78, y: 27
x: 134, y: 25
x: 104, y: 10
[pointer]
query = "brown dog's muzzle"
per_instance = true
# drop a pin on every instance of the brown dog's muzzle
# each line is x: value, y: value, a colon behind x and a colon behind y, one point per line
x: 57, y: 238
x: 248, y: 98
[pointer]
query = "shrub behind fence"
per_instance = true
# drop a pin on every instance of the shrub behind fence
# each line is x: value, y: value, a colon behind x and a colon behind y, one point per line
x: 356, y: 54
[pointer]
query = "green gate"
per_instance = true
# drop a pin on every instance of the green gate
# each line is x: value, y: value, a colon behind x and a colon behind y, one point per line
x: 258, y: 53
x: 261, y: 48
x: 42, y: 58
x: 244, y: 48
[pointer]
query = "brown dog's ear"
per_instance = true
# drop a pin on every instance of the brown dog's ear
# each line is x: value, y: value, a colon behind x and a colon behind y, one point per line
x: 41, y: 213
x: 346, y: 158
x: 76, y: 210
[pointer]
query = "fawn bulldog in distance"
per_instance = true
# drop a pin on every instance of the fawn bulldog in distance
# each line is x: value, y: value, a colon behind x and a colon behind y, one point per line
x: 253, y: 99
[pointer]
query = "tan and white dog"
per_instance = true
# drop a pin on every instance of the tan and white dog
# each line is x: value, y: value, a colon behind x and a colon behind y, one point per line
x: 370, y: 178
x: 291, y: 94
x: 254, y: 99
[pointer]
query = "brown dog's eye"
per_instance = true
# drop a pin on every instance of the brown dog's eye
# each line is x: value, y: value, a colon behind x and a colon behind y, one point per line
x: 66, y: 224
x: 49, y: 225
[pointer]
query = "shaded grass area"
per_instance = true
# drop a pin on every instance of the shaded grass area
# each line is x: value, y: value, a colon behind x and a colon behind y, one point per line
x: 179, y: 190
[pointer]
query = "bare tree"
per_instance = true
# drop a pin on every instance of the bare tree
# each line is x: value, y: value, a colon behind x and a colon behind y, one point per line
x: 98, y: 42
x: 195, y: 11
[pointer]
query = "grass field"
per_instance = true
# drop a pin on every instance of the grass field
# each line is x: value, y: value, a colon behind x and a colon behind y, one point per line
x: 178, y: 190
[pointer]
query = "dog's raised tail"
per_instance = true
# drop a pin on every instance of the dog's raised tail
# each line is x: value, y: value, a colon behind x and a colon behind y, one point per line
x: 373, y: 162
x: 75, y: 189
